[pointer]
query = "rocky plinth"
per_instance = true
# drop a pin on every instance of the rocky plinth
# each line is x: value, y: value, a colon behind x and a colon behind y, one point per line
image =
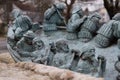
x: 33, y: 71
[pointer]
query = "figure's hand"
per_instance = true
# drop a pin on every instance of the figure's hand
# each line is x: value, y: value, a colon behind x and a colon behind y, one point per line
x: 75, y: 51
x: 100, y: 57
x: 84, y: 18
x: 62, y: 18
x: 79, y: 70
x: 53, y: 9
x: 65, y: 67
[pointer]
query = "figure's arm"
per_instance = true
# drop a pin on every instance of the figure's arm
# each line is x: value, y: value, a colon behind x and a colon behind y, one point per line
x: 49, y: 13
x: 116, y: 29
x: 77, y: 23
x: 102, y: 65
x: 14, y: 26
x: 69, y: 60
x: 28, y: 20
x: 79, y: 70
x: 23, y: 53
x: 74, y: 17
x: 79, y: 67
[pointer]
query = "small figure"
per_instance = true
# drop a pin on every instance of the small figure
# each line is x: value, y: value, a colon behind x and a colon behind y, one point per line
x: 77, y: 14
x: 41, y: 54
x: 89, y: 27
x: 53, y: 17
x: 117, y: 67
x: 21, y: 24
x: 107, y: 33
x: 63, y: 57
x: 24, y: 47
x: 88, y: 64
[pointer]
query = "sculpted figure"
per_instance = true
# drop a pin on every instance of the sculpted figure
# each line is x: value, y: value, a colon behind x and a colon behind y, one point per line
x: 107, y: 32
x: 24, y: 47
x: 117, y: 67
x: 76, y: 17
x: 89, y: 27
x: 41, y: 54
x: 53, y: 17
x: 63, y: 57
x: 21, y: 24
x: 88, y: 64
x: 10, y: 37
x: 116, y: 32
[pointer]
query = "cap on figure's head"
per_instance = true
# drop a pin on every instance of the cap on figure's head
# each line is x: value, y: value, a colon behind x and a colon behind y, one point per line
x: 76, y: 9
x: 61, y: 6
x: 29, y: 34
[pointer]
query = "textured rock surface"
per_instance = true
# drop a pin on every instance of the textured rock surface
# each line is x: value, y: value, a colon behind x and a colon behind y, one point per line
x: 6, y: 58
x: 33, y: 71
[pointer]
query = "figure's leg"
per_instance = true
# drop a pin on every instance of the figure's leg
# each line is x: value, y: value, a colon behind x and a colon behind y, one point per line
x: 84, y: 35
x: 102, y: 41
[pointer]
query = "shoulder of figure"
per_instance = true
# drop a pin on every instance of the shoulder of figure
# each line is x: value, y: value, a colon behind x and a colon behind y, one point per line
x: 48, y: 11
x: 75, y: 15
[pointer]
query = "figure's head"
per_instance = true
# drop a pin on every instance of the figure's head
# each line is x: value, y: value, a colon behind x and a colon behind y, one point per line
x: 38, y: 43
x: 96, y: 16
x: 61, y: 45
x: 116, y: 17
x: 60, y: 6
x: 29, y: 36
x: 88, y: 53
x: 77, y: 9
x: 16, y: 12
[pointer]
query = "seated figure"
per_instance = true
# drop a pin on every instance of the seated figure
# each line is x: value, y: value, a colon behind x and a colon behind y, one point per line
x: 63, y: 57
x: 89, y: 27
x: 41, y: 54
x: 88, y: 64
x: 76, y: 15
x: 24, y: 47
x: 53, y: 17
x: 18, y: 27
x: 21, y: 24
x: 107, y: 33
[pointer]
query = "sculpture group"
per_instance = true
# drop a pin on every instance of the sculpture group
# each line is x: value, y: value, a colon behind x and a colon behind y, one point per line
x: 26, y: 46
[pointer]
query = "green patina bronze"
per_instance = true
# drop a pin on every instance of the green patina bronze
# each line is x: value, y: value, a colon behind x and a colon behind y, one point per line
x: 53, y: 17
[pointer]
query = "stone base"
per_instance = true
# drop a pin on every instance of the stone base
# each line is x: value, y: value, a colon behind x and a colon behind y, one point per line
x: 32, y: 71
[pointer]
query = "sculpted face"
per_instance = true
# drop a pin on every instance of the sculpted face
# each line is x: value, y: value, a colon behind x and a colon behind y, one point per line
x: 28, y: 40
x: 65, y: 48
x: 89, y: 55
x: 62, y: 46
x: 38, y: 44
